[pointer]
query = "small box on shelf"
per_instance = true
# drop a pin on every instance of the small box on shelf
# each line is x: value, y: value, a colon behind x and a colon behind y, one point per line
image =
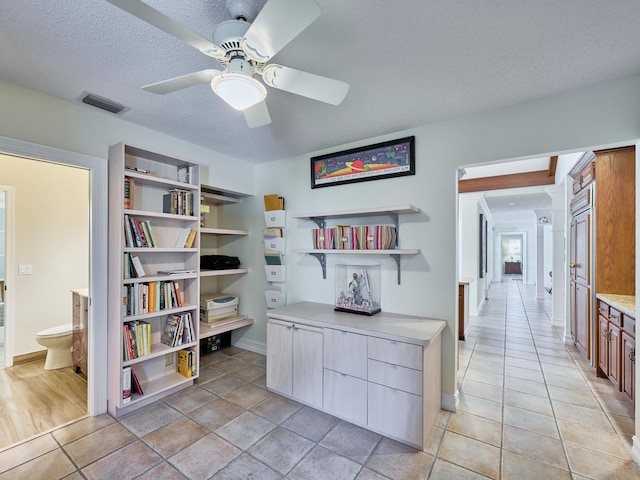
x: 275, y: 273
x: 274, y: 218
x: 214, y: 342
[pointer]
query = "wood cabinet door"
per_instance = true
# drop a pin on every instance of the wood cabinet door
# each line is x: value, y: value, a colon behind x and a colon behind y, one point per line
x: 603, y: 346
x: 582, y: 319
x: 628, y: 363
x: 345, y: 352
x: 345, y: 396
x: 280, y: 357
x: 614, y: 354
x: 582, y: 248
x: 307, y: 365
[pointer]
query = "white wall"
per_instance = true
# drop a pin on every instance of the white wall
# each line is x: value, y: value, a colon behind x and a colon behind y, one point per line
x: 561, y: 123
x: 52, y: 235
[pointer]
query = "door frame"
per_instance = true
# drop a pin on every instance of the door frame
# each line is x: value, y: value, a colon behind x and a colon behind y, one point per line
x: 98, y: 232
x: 525, y: 252
x: 9, y: 226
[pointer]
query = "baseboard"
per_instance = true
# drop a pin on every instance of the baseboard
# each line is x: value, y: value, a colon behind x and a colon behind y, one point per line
x: 29, y: 357
x: 251, y: 345
x: 450, y: 402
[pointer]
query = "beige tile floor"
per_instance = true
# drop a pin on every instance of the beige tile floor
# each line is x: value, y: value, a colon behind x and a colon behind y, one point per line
x: 530, y: 408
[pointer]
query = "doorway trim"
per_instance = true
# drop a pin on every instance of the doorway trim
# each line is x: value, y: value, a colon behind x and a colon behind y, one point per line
x: 9, y: 226
x: 98, y: 232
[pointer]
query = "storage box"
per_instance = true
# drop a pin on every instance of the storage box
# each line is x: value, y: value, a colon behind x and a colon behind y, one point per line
x: 275, y: 298
x: 358, y: 289
x: 275, y: 273
x: 215, y: 342
x: 274, y: 218
x: 274, y: 244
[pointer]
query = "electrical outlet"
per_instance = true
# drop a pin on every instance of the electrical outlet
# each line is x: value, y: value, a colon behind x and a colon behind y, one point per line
x: 168, y: 359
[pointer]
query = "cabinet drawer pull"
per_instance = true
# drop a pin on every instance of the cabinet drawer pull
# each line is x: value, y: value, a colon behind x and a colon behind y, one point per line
x: 632, y: 355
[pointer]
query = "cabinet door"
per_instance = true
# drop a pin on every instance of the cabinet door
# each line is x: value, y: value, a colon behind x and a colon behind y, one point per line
x: 345, y: 352
x: 307, y: 364
x: 628, y: 363
x: 582, y: 320
x: 614, y: 354
x: 582, y: 248
x: 603, y: 346
x: 395, y: 413
x: 345, y: 396
x: 280, y: 357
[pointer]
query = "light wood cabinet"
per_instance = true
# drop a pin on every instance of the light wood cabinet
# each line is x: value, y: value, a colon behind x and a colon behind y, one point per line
x: 294, y: 361
x: 388, y: 383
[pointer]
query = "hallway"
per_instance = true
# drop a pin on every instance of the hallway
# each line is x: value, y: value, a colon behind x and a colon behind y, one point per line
x: 530, y: 406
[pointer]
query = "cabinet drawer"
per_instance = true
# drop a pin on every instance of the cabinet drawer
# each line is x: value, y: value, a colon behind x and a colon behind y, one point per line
x: 396, y: 353
x: 345, y: 396
x: 615, y: 316
x: 345, y: 352
x: 394, y: 376
x: 629, y: 324
x: 603, y: 309
x: 395, y: 413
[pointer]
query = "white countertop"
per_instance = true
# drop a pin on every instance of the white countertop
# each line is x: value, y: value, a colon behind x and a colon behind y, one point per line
x: 393, y: 326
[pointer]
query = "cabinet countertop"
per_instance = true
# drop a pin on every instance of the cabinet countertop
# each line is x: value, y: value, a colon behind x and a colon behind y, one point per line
x: 393, y: 326
x: 625, y: 303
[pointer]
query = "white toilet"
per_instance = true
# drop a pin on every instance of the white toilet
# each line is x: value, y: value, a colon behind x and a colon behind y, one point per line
x: 58, y: 341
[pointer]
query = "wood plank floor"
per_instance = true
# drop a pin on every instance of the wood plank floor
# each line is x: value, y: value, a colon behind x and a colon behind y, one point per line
x: 34, y: 400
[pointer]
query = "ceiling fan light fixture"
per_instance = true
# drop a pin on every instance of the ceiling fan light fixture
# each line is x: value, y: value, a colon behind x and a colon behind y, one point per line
x: 238, y: 90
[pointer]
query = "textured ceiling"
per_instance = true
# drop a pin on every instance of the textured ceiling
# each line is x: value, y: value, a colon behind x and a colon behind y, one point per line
x: 409, y: 63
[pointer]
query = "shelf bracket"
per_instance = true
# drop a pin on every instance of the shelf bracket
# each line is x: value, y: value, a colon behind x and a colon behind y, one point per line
x: 396, y: 258
x: 322, y: 258
x: 320, y: 221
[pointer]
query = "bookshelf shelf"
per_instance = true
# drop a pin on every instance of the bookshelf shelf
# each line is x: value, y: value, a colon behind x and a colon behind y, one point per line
x: 138, y: 202
x: 221, y: 273
x: 224, y: 325
x: 222, y: 231
x: 158, y: 350
x: 320, y: 219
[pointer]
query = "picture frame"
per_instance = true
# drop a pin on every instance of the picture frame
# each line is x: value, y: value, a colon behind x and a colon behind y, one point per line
x: 394, y: 158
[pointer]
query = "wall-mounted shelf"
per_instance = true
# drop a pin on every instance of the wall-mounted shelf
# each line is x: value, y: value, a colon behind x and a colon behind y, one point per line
x: 224, y: 325
x: 320, y: 219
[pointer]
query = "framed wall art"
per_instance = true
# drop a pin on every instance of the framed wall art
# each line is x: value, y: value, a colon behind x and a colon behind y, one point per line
x: 394, y: 158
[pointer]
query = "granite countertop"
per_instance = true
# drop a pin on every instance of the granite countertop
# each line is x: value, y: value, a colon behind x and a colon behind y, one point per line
x: 393, y: 326
x: 625, y: 303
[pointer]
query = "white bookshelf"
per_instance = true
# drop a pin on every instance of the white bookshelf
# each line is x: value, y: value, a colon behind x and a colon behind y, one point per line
x: 217, y: 239
x: 155, y: 370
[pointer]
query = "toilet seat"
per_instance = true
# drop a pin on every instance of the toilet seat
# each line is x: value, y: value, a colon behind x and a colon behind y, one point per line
x: 57, y: 331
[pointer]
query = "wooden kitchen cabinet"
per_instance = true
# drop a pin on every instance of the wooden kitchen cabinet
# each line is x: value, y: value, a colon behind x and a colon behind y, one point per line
x: 628, y: 363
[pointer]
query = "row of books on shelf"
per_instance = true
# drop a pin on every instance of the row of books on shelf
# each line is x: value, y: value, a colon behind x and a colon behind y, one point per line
x: 129, y: 185
x: 178, y: 202
x: 150, y: 297
x: 359, y: 237
x: 130, y: 385
x: 137, y: 339
x: 138, y: 233
x: 179, y: 330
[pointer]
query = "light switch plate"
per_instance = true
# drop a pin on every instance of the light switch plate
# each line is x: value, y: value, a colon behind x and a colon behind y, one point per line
x: 25, y: 269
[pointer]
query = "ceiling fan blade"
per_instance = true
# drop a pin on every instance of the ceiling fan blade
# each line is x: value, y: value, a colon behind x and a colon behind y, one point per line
x: 279, y: 22
x: 258, y: 115
x: 153, y: 17
x: 304, y: 83
x: 185, y: 81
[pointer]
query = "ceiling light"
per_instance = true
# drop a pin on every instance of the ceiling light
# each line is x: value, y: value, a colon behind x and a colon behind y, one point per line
x: 238, y: 89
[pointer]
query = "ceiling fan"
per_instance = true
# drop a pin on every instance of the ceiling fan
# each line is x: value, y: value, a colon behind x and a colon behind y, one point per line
x: 243, y: 46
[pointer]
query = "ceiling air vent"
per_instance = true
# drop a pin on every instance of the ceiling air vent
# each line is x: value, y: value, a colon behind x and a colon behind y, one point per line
x: 103, y: 103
